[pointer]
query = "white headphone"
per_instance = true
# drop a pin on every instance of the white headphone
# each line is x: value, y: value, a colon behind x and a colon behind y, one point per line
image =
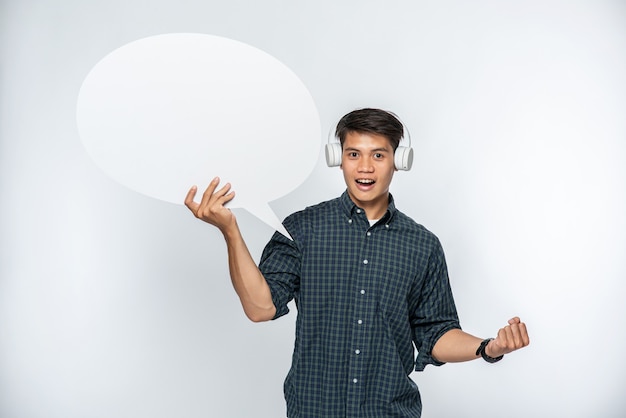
x: 402, y: 158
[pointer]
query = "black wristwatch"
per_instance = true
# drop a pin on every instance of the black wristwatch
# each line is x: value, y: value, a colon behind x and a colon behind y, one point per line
x: 481, y: 351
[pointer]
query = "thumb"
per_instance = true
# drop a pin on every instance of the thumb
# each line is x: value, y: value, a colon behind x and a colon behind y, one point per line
x: 514, y: 321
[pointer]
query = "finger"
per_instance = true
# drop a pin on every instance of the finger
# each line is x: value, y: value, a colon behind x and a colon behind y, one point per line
x: 501, y: 338
x: 514, y: 320
x: 219, y: 198
x: 516, y: 335
x: 191, y: 194
x: 499, y: 343
x: 226, y: 198
x: 524, y: 334
x: 206, y: 196
x: 222, y: 192
x: 504, y: 338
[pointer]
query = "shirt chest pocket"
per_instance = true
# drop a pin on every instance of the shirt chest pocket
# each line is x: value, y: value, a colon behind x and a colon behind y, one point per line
x: 393, y: 286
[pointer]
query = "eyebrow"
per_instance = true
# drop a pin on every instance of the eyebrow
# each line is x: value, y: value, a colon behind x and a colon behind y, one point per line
x: 371, y: 150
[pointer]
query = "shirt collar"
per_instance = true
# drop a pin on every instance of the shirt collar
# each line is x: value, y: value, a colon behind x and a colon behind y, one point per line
x: 350, y: 208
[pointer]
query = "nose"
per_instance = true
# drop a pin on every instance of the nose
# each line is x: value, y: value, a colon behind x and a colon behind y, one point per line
x: 365, y: 166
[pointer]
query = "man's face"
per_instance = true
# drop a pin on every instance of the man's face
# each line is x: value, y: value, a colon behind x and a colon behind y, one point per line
x: 367, y: 165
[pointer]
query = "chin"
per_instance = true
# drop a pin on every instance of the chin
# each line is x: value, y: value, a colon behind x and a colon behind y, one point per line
x: 365, y: 197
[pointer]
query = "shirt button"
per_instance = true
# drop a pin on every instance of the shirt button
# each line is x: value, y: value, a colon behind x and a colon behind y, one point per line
x: 386, y: 225
x: 355, y: 380
x: 365, y: 261
x: 349, y: 221
x: 360, y: 321
x: 369, y: 234
x: 362, y: 291
x: 357, y: 351
x: 358, y: 211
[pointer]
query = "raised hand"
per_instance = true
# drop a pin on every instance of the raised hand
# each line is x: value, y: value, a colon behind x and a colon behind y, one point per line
x: 211, y: 208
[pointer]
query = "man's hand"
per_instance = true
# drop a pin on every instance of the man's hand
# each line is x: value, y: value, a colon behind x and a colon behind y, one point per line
x: 211, y: 208
x: 510, y: 338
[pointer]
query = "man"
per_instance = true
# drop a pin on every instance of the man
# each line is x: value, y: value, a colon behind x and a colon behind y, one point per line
x: 369, y: 284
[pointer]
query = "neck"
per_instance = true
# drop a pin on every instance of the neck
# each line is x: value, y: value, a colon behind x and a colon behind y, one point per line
x: 374, y: 209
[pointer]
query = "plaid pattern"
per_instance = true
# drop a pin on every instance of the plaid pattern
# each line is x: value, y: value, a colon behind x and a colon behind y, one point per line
x: 365, y: 296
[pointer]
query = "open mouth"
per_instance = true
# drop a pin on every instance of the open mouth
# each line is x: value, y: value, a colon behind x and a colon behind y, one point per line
x: 365, y: 182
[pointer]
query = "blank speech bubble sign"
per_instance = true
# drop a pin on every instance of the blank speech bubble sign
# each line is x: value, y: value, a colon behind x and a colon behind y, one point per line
x: 163, y: 113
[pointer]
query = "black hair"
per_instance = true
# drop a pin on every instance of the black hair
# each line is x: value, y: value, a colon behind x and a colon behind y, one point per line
x: 374, y: 121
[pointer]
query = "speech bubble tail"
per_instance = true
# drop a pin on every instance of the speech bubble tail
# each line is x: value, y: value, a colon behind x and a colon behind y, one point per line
x: 265, y: 213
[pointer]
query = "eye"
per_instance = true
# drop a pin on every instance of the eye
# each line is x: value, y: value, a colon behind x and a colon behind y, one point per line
x: 378, y: 155
x: 353, y: 154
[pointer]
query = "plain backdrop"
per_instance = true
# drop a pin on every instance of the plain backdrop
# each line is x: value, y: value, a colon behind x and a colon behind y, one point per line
x: 113, y: 304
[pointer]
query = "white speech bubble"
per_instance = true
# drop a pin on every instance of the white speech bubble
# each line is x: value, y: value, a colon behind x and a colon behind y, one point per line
x: 163, y: 113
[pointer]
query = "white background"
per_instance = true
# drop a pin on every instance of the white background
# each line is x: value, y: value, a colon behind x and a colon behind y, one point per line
x: 113, y: 304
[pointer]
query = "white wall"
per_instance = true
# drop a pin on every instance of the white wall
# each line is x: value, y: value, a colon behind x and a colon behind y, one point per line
x: 113, y: 304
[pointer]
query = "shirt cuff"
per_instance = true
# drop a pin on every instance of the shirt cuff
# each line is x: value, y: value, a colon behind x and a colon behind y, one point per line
x: 426, y: 358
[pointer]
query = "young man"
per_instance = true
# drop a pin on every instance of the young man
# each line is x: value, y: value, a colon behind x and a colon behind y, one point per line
x: 369, y: 284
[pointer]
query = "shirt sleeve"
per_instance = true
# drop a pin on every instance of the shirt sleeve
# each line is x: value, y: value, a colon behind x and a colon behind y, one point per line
x: 435, y: 312
x: 280, y: 265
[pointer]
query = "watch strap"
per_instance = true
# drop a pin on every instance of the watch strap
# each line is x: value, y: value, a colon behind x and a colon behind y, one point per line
x: 483, y: 354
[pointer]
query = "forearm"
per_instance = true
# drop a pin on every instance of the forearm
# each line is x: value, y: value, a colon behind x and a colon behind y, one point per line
x: 456, y: 346
x: 248, y: 281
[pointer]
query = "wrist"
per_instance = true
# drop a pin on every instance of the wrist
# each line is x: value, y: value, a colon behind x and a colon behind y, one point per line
x: 486, y: 353
x: 489, y: 349
x: 231, y: 231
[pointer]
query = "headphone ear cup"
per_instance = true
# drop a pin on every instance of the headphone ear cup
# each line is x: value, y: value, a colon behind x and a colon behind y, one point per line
x: 333, y: 155
x: 403, y: 158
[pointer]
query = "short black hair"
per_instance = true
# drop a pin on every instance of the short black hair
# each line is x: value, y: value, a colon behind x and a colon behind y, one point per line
x: 374, y: 121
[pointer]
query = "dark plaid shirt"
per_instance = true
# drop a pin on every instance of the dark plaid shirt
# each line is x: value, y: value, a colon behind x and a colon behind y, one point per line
x: 365, y: 296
